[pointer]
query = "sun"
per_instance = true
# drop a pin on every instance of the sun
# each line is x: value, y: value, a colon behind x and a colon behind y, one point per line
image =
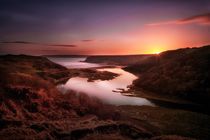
x: 156, y: 51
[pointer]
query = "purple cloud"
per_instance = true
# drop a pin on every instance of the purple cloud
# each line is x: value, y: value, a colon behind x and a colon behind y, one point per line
x: 87, y: 40
x: 62, y: 45
x: 35, y: 43
x: 203, y: 19
x: 17, y: 42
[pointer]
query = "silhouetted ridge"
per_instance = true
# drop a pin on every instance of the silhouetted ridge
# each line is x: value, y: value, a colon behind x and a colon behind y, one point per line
x: 117, y: 59
x: 183, y: 73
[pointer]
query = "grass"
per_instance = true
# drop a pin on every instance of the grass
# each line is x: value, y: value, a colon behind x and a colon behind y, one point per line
x: 171, y: 121
x: 33, y: 101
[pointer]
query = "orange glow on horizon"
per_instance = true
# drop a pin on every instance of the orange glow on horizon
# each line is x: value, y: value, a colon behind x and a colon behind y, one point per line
x: 155, y: 51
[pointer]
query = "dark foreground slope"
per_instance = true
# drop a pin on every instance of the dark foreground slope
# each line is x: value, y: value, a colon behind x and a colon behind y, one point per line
x: 183, y: 73
x: 117, y: 60
x: 32, y: 108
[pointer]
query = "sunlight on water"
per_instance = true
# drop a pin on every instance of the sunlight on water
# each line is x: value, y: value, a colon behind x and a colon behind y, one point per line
x: 106, y: 90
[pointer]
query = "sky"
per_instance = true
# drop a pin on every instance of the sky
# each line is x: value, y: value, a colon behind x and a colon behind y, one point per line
x: 102, y: 27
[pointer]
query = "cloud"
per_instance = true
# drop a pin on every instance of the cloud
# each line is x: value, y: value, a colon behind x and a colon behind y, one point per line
x: 87, y: 40
x: 62, y: 45
x: 17, y: 42
x: 203, y: 19
x: 35, y: 43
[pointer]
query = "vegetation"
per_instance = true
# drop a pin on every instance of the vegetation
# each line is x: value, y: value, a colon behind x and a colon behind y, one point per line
x: 169, y: 121
x: 93, y: 74
x: 118, y: 60
x: 31, y: 107
x: 183, y: 73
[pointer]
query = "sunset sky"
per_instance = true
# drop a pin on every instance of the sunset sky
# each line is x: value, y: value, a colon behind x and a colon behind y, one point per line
x: 95, y: 27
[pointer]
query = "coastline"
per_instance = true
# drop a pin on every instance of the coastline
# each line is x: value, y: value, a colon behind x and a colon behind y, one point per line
x: 32, y: 107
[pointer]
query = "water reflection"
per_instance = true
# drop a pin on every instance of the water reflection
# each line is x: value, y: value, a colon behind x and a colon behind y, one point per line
x: 106, y: 90
x: 73, y: 62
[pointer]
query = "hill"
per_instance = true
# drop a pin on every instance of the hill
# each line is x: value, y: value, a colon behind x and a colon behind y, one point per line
x: 183, y: 73
x: 117, y: 59
x: 31, y: 107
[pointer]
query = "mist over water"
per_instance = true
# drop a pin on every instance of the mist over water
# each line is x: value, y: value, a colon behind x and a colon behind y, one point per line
x: 77, y: 62
x: 107, y: 90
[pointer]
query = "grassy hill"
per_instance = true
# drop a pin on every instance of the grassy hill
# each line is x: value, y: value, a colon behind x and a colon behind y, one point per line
x: 31, y: 107
x: 117, y: 59
x: 183, y: 73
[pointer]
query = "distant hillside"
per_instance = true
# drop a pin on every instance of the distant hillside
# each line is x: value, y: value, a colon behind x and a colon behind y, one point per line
x: 183, y: 73
x: 65, y: 56
x: 117, y: 59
